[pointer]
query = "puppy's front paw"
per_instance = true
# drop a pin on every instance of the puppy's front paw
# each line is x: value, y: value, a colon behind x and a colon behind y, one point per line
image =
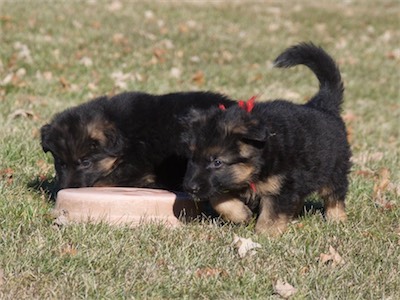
x: 232, y: 209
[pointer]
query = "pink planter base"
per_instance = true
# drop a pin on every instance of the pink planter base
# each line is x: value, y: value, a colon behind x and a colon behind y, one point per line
x: 119, y: 205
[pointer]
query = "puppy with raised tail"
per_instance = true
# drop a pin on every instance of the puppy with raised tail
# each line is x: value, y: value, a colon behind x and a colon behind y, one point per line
x: 265, y: 158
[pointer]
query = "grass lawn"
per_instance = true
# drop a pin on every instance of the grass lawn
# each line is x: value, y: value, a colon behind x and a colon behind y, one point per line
x: 55, y: 54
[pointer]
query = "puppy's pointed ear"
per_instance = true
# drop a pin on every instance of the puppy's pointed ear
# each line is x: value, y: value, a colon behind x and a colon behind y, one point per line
x: 45, y: 132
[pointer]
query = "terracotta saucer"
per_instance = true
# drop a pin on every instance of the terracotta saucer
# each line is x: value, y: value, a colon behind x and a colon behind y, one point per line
x: 119, y: 205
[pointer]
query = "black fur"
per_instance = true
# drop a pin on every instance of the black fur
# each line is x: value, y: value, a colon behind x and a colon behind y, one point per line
x: 271, y: 158
x: 131, y: 139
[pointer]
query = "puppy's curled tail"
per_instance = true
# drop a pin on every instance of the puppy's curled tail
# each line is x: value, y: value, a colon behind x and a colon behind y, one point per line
x: 330, y: 95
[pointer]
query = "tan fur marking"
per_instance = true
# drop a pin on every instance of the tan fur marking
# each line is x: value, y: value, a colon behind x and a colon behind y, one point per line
x: 96, y: 130
x: 335, y: 209
x: 232, y: 209
x: 242, y: 172
x: 271, y: 186
x: 268, y: 223
x: 106, y: 165
x: 148, y: 179
x: 245, y: 150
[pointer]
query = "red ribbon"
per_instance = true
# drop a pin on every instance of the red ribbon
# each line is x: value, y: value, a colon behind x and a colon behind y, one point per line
x: 248, y: 105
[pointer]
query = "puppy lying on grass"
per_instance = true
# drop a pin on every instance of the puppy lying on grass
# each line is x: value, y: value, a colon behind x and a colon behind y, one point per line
x: 266, y: 158
x: 131, y: 139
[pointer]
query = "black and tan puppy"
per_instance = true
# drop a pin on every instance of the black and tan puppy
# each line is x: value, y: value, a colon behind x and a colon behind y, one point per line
x: 265, y: 158
x: 131, y: 139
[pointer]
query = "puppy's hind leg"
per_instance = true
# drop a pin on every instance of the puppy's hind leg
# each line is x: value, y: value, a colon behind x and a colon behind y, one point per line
x: 334, y: 203
x: 232, y: 209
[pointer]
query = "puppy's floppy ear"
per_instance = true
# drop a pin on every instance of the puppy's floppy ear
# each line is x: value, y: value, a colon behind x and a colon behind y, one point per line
x: 115, y: 141
x: 45, y: 137
x: 256, y: 134
x: 106, y: 135
x: 191, y: 122
x: 192, y: 117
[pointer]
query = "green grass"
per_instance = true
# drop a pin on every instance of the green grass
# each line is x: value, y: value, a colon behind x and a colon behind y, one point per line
x: 233, y: 44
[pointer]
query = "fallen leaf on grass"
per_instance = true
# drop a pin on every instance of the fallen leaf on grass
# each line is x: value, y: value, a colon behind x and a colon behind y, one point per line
x: 198, y: 78
x: 349, y: 116
x: 114, y: 6
x: 69, y: 249
x: 332, y: 257
x: 284, y: 289
x: 22, y: 113
x: 175, y: 73
x: 60, y: 218
x: 245, y: 246
x: 7, y: 175
x: 210, y: 272
x: 363, y: 158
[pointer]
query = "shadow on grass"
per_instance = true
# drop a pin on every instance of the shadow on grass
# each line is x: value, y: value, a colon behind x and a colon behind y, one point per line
x: 313, y: 206
x: 44, y: 187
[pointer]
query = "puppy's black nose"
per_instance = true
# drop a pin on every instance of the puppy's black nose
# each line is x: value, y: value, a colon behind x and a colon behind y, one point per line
x: 192, y: 187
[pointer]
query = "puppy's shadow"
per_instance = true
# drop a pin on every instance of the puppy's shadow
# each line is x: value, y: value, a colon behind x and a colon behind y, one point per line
x: 311, y: 207
x: 46, y: 188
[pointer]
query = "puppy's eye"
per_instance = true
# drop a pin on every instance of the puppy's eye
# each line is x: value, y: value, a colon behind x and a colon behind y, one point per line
x: 85, y: 163
x: 217, y: 163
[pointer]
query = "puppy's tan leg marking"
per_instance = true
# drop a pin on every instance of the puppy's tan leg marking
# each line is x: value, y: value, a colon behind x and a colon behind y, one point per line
x: 269, y: 223
x: 232, y: 209
x: 335, y: 209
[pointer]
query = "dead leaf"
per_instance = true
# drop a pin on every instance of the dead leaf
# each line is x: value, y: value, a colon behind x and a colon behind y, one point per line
x: 64, y: 82
x: 1, y: 277
x: 175, y: 73
x: 159, y: 54
x: 68, y: 249
x: 364, y: 158
x: 284, y: 289
x: 44, y: 167
x: 394, y: 54
x: 367, y: 173
x: 349, y: 116
x: 23, y: 52
x: 198, y: 78
x: 210, y: 272
x: 22, y: 113
x: 60, y: 218
x: 149, y: 15
x: 86, y: 61
x: 332, y: 257
x: 245, y: 246
x: 120, y: 79
x: 114, y: 6
x: 7, y: 175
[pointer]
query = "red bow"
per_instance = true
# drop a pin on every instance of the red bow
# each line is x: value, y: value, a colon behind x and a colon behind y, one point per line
x: 247, y: 106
